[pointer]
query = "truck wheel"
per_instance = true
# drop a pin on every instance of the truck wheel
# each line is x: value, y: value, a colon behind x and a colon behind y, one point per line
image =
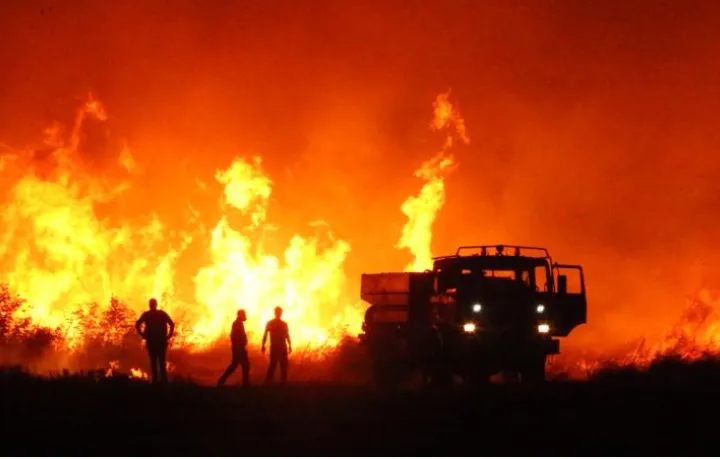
x: 379, y: 376
x: 534, y: 371
x: 442, y: 377
x: 436, y: 364
x: 385, y: 375
x: 386, y: 355
x: 477, y: 377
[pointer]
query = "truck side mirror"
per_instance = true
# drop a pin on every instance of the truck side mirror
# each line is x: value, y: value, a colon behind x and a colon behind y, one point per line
x: 562, y: 284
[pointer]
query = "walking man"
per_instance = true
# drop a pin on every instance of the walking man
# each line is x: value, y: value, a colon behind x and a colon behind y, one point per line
x: 238, y: 339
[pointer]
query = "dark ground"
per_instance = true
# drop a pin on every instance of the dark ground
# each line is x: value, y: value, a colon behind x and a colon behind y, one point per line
x: 670, y: 410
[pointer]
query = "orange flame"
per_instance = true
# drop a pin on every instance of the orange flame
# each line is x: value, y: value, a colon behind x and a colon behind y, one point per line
x: 58, y: 255
x: 136, y: 373
x: 65, y: 261
x: 308, y: 282
x: 113, y: 367
x: 696, y: 334
x: 422, y: 209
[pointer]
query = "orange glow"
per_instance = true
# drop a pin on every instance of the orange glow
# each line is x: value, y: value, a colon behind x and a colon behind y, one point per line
x: 422, y: 209
x: 64, y: 260
x: 594, y: 134
x: 58, y: 255
x: 136, y: 373
x: 695, y: 335
x: 84, y: 272
x: 308, y: 282
x: 112, y: 369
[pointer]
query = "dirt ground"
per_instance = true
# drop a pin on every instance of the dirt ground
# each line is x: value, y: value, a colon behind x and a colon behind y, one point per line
x: 667, y: 411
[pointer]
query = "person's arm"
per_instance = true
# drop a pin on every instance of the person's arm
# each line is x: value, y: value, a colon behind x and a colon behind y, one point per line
x: 138, y: 324
x: 172, y: 326
x: 235, y: 335
x: 287, y: 337
x: 243, y: 336
x: 233, y: 332
x: 265, y: 335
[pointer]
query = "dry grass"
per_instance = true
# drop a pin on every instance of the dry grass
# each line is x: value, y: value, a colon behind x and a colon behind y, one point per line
x: 622, y: 409
x: 108, y: 336
x: 661, y: 412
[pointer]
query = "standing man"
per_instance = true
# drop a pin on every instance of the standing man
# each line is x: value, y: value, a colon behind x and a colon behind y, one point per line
x: 280, y: 346
x: 238, y: 339
x: 156, y: 336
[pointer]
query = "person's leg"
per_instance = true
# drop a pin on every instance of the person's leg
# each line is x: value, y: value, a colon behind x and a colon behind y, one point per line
x: 283, y: 368
x: 153, y: 365
x: 271, y: 369
x: 162, y: 355
x: 245, y: 369
x: 230, y: 369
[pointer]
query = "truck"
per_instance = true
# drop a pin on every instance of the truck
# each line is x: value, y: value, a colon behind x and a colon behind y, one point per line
x: 484, y: 310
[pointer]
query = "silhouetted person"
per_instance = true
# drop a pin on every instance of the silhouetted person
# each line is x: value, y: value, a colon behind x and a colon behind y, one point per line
x: 238, y: 339
x: 156, y: 336
x: 280, y: 346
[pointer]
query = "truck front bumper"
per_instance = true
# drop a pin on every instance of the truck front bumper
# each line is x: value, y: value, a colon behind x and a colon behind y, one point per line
x: 512, y: 345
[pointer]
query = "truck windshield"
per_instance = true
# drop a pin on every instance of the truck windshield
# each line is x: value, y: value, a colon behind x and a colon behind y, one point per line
x: 516, y: 275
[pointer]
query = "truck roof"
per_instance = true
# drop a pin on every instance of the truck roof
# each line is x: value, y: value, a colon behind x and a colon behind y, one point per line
x: 495, y: 255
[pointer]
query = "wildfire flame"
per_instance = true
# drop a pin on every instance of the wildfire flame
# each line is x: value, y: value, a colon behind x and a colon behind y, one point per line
x: 65, y: 261
x: 113, y: 367
x: 136, y: 373
x: 308, y: 282
x: 54, y: 250
x: 422, y: 209
x: 696, y: 333
x: 66, y: 268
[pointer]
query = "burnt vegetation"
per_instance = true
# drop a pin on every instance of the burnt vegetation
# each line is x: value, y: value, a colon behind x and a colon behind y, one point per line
x: 94, y: 339
x: 20, y: 338
x: 96, y: 334
x: 660, y: 411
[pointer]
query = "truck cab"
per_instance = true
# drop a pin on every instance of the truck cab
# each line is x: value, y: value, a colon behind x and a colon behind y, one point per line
x: 489, y: 308
x: 516, y: 289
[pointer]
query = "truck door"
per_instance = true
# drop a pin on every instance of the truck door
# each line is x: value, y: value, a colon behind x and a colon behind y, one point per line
x: 570, y: 298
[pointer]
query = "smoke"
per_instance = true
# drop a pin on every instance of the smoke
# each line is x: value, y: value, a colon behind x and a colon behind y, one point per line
x: 593, y: 124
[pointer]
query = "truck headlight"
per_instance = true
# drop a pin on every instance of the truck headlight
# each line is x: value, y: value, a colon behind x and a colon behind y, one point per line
x: 477, y: 307
x: 543, y: 328
x: 469, y: 327
x: 540, y: 308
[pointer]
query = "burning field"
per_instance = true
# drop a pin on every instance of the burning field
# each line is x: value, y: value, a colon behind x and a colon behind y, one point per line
x: 205, y: 180
x: 76, y: 275
x: 227, y: 155
x: 75, y: 278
